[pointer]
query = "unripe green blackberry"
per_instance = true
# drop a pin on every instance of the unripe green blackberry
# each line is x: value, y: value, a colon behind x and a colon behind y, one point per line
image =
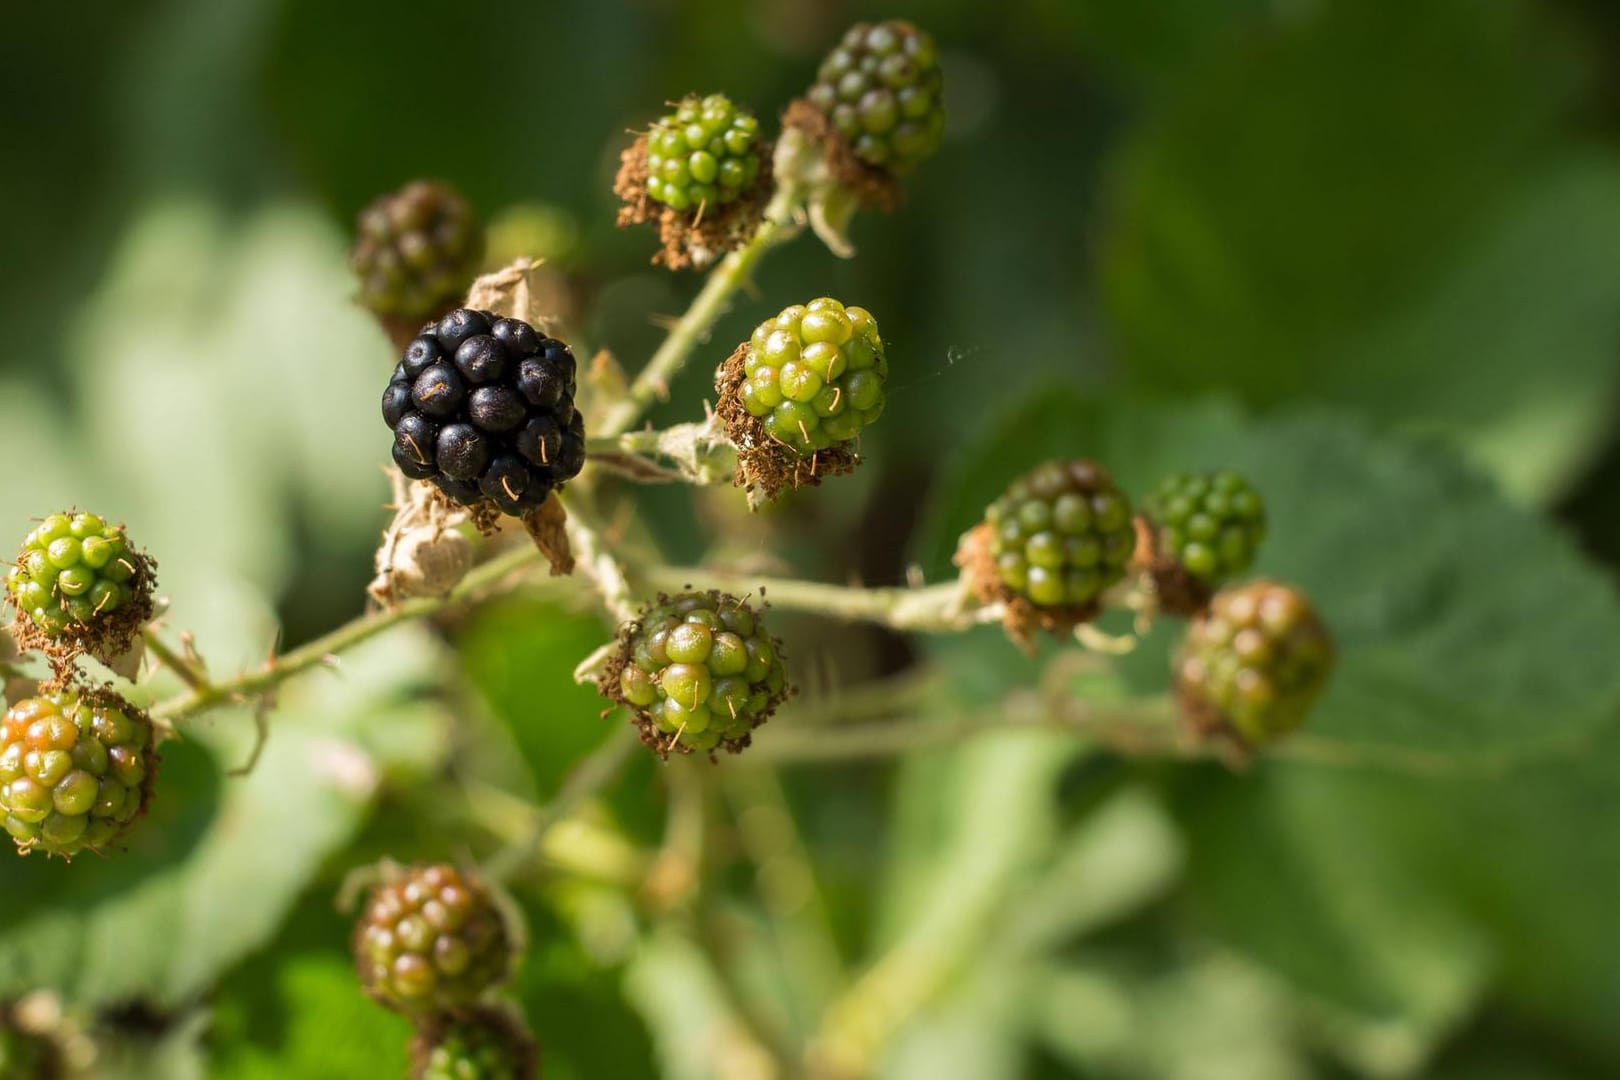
x: 882, y: 90
x: 78, y: 580
x: 1212, y: 524
x: 76, y: 770
x: 431, y: 939
x: 1254, y: 662
x: 486, y: 1043
x: 703, y: 155
x: 1060, y: 535
x: 815, y: 375
x: 416, y: 251
x: 699, y: 672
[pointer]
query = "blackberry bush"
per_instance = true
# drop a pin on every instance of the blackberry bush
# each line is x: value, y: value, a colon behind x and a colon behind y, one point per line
x: 431, y: 939
x: 698, y: 671
x: 1209, y: 525
x: 705, y: 154
x: 416, y: 251
x: 79, y: 583
x: 1254, y: 663
x: 483, y: 407
x: 76, y: 770
x: 882, y: 91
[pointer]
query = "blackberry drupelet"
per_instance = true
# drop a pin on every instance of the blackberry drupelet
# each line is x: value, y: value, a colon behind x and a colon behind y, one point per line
x: 705, y: 154
x: 815, y: 375
x: 699, y: 671
x: 416, y: 251
x: 883, y: 92
x: 1061, y: 535
x: 76, y: 770
x: 485, y: 1043
x: 1212, y: 524
x: 78, y: 579
x: 1253, y: 663
x: 431, y: 939
x: 484, y: 408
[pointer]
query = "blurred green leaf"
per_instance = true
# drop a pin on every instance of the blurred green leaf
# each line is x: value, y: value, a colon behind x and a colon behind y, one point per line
x: 326, y: 1028
x: 1382, y: 205
x: 1417, y: 564
x: 106, y: 931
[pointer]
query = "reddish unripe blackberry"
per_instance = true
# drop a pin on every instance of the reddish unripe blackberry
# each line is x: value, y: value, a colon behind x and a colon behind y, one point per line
x: 1061, y: 535
x: 882, y: 90
x: 484, y: 408
x: 431, y: 939
x: 416, y: 250
x: 699, y: 671
x: 705, y: 154
x: 76, y: 771
x: 1254, y: 662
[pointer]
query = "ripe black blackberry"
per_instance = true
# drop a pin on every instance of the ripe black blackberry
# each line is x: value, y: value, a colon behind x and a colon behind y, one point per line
x: 416, y: 250
x: 484, y: 408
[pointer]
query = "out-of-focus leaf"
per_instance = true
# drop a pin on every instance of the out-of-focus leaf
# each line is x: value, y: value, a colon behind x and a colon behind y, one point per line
x: 99, y: 932
x: 1325, y: 873
x: 175, y: 1054
x: 1302, y: 222
x: 1213, y: 1019
x: 1418, y: 566
x: 326, y: 1028
x: 694, y: 1031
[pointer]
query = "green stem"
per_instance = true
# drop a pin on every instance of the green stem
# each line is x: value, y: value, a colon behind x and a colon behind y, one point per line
x: 945, y: 607
x: 707, y: 309
x: 594, y: 771
x: 188, y: 672
x: 324, y: 650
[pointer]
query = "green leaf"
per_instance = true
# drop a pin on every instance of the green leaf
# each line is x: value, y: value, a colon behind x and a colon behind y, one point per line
x: 211, y: 873
x: 1467, y: 628
x: 1299, y: 222
x: 306, y: 1016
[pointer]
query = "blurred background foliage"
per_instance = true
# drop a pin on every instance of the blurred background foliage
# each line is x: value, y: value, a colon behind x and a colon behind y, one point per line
x: 1367, y: 251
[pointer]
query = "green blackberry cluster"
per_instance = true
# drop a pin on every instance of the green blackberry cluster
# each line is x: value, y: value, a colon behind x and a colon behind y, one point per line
x: 699, y: 671
x: 1212, y: 524
x: 882, y: 90
x: 77, y: 572
x: 431, y: 939
x: 75, y: 771
x: 416, y: 251
x: 706, y: 153
x: 815, y: 375
x: 486, y: 1043
x: 1254, y: 662
x: 1061, y: 535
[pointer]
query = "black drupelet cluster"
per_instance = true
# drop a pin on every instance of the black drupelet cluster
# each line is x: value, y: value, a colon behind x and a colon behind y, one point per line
x: 484, y: 408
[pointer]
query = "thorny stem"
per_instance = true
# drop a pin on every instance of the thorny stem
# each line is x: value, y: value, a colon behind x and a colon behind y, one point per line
x: 324, y: 650
x: 188, y: 672
x: 711, y: 304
